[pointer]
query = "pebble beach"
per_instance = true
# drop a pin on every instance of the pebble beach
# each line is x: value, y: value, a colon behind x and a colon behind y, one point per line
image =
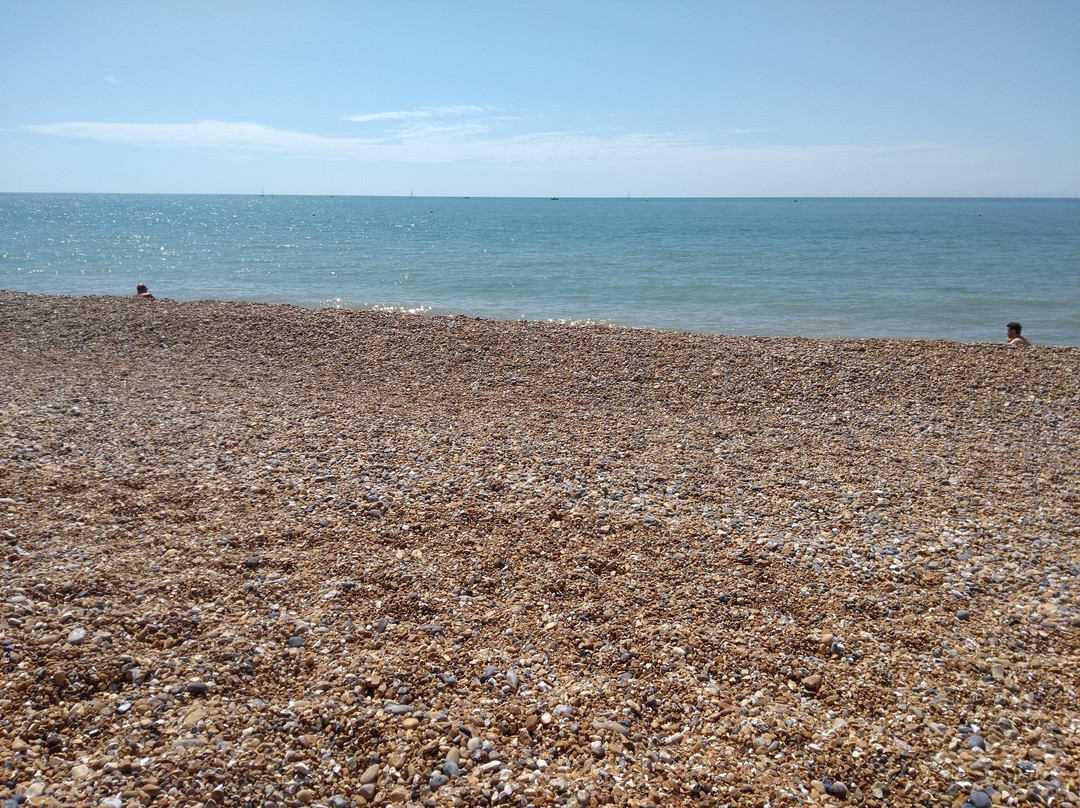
x: 256, y: 555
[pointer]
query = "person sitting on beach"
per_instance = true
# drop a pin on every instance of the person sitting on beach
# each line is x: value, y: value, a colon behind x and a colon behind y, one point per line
x: 142, y: 292
x: 1012, y: 331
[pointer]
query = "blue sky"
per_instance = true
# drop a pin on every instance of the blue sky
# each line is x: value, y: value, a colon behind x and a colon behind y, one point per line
x: 521, y: 98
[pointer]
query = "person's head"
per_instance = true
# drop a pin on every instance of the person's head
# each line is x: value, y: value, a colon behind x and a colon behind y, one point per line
x: 141, y: 289
x: 1013, y: 329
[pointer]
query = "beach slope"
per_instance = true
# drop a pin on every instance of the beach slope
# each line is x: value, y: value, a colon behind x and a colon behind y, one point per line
x: 264, y: 555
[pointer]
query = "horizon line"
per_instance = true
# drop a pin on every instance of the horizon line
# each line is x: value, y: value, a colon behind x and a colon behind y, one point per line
x: 630, y: 197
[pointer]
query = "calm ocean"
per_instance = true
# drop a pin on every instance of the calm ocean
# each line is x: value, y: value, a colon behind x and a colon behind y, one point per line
x: 955, y: 269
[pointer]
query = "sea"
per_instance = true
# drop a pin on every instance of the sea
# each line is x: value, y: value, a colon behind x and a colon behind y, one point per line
x: 943, y: 268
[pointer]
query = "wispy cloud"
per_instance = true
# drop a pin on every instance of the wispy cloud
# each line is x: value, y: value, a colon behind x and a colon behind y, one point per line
x: 449, y: 123
x: 204, y: 134
x: 423, y: 139
x: 453, y: 134
x: 410, y: 114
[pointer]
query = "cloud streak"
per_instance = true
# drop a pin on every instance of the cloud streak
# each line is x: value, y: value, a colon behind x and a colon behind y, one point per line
x: 453, y: 134
x: 203, y: 134
x: 424, y: 112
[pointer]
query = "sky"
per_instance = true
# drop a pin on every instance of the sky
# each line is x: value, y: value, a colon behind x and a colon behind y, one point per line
x: 592, y: 98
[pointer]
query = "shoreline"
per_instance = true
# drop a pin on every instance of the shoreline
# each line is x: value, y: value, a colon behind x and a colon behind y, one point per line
x: 288, y: 556
x: 582, y: 323
x: 843, y: 269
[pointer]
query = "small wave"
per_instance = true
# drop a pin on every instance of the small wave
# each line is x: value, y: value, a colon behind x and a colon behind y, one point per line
x: 586, y: 322
x: 402, y: 309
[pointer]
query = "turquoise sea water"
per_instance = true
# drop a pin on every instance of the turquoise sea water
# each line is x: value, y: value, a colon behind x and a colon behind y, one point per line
x: 911, y: 268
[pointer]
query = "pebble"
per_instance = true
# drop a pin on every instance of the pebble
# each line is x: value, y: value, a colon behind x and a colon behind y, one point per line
x: 602, y: 565
x: 366, y: 791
